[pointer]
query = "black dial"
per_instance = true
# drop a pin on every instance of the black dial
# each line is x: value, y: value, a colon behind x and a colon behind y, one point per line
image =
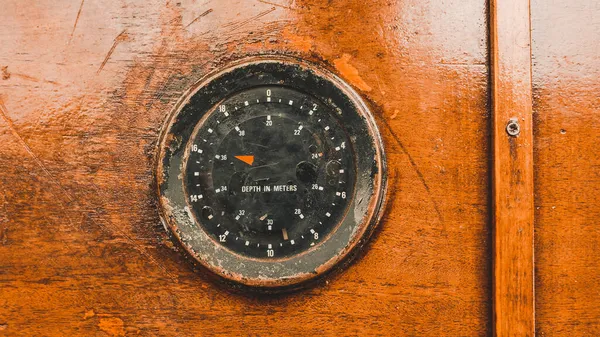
x: 269, y: 172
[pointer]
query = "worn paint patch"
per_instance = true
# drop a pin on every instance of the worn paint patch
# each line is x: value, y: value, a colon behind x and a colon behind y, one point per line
x: 300, y: 42
x: 89, y: 314
x: 5, y: 73
x: 350, y: 73
x: 113, y: 326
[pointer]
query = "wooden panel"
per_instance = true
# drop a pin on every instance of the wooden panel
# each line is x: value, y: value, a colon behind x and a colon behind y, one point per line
x: 566, y: 79
x: 513, y: 168
x: 85, y: 88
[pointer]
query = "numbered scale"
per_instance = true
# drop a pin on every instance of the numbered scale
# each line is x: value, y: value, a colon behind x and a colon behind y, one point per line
x: 270, y: 172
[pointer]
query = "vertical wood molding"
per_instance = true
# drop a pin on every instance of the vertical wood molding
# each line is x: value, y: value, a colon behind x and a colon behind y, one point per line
x: 510, y: 44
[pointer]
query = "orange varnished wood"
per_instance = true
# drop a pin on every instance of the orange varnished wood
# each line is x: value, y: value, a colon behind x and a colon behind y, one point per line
x: 566, y: 83
x: 85, y: 88
x: 513, y: 168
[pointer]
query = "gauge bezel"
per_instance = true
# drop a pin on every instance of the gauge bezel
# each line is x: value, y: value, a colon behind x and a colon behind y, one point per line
x: 351, y: 232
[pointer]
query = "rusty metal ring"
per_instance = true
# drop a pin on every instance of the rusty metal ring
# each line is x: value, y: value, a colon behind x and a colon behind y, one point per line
x: 352, y: 231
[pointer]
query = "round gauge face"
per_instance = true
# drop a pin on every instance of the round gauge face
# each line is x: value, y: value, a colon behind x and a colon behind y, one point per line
x: 270, y: 172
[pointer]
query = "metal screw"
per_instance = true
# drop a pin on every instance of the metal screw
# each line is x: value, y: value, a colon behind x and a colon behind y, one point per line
x: 513, y: 128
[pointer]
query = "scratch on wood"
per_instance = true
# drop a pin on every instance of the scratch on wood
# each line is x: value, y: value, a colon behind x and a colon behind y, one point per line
x: 3, y: 219
x: 379, y: 86
x: 13, y: 129
x: 34, y: 79
x: 6, y: 75
x: 121, y: 37
x: 3, y: 236
x: 415, y: 167
x: 274, y: 4
x: 76, y: 21
x: 239, y: 24
x: 461, y: 64
x: 199, y: 16
x: 134, y: 244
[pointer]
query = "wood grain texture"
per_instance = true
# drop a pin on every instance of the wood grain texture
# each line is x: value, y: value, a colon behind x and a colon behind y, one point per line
x: 85, y: 89
x: 513, y: 168
x: 566, y: 82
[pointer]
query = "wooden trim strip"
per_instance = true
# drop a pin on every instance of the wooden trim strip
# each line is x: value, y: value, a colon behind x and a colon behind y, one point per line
x: 510, y: 47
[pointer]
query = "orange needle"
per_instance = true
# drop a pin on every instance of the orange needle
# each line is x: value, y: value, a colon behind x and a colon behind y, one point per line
x: 246, y: 159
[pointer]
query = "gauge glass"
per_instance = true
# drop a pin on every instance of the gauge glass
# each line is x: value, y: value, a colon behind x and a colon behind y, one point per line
x: 269, y: 172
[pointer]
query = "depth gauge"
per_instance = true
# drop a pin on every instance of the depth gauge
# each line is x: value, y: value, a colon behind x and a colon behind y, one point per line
x: 271, y: 172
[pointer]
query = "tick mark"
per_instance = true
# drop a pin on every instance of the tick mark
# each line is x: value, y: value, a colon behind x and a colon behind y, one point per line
x: 285, y: 233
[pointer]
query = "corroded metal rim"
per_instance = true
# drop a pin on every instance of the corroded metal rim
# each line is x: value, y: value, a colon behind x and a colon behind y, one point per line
x: 363, y: 211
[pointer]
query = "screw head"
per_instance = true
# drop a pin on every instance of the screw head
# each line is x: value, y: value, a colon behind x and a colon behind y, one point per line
x: 513, y: 128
